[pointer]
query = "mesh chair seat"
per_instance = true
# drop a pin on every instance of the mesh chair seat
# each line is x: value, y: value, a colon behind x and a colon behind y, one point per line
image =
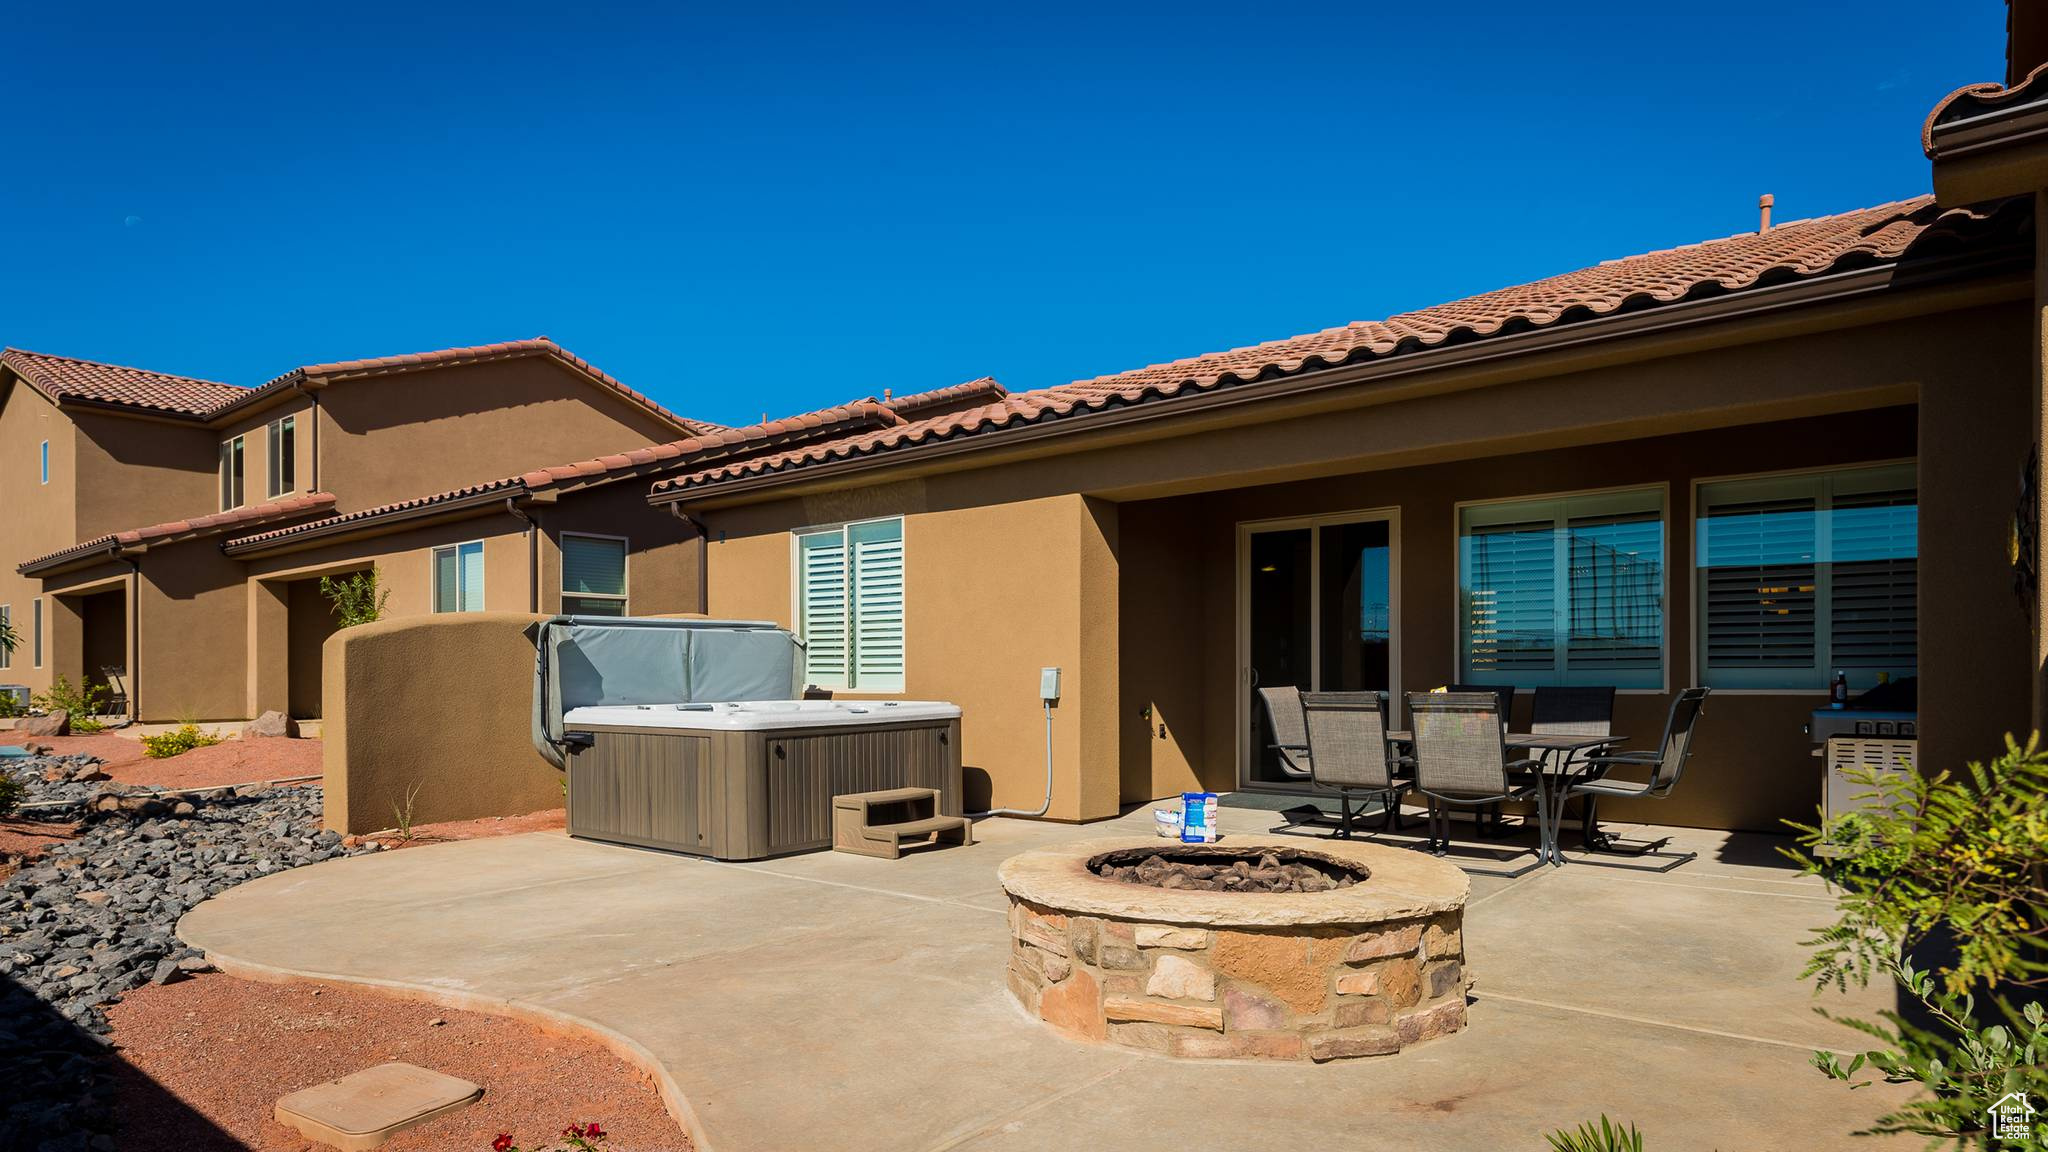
x: 1619, y: 788
x: 1348, y: 750
x: 1289, y: 726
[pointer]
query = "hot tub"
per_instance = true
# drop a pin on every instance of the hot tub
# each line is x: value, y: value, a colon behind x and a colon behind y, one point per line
x: 740, y: 780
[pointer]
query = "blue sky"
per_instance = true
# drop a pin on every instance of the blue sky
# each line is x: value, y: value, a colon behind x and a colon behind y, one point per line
x: 757, y: 207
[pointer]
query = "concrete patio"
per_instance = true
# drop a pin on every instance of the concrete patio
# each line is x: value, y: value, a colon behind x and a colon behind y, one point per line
x: 838, y: 1001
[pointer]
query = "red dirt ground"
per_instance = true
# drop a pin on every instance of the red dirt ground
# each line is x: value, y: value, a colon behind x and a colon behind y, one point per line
x: 22, y: 840
x: 235, y: 761
x: 212, y: 1055
x: 551, y: 820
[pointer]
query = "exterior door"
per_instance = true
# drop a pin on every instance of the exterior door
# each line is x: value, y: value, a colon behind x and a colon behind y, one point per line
x: 1317, y: 609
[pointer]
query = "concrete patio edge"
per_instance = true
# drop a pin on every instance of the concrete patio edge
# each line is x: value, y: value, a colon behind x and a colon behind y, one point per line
x: 618, y: 1043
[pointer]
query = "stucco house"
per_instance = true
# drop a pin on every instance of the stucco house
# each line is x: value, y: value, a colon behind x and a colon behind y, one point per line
x: 1748, y: 463
x: 177, y: 529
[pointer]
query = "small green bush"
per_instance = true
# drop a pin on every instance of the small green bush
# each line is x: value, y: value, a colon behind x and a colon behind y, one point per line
x: 177, y: 742
x: 11, y: 792
x: 82, y: 702
x: 356, y: 597
x: 1608, y: 1137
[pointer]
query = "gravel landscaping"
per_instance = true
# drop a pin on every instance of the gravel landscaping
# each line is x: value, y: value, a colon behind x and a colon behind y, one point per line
x: 94, y: 916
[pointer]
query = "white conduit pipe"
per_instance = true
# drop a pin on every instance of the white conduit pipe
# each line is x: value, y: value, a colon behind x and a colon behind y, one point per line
x: 1046, y: 805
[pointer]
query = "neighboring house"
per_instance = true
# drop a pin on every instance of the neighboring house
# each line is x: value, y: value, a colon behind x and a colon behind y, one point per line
x: 1745, y: 463
x: 178, y: 528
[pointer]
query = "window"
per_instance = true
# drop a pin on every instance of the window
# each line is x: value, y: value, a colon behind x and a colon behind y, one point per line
x: 593, y: 575
x: 35, y: 644
x: 46, y: 461
x: 850, y: 605
x: 6, y: 618
x: 1800, y: 575
x: 283, y: 455
x: 459, y: 578
x: 231, y: 473
x: 1566, y: 590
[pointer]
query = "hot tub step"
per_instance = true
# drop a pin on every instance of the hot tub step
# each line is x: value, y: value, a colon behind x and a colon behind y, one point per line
x: 878, y: 823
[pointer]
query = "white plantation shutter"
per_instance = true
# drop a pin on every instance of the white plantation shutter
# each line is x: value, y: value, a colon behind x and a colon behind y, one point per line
x: 877, y: 566
x: 1564, y: 591
x: 1801, y: 575
x: 850, y: 605
x: 821, y: 607
x: 1873, y: 614
x: 1617, y: 598
x: 1511, y: 598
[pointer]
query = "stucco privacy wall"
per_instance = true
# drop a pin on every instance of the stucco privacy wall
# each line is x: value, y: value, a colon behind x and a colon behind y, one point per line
x: 994, y: 593
x: 442, y: 703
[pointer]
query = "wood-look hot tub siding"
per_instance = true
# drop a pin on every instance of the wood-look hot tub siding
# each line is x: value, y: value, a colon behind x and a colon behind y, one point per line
x: 745, y: 795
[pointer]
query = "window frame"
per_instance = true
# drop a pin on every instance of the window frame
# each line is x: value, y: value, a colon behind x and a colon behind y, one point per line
x: 1697, y: 639
x: 625, y: 572
x: 281, y: 464
x: 849, y: 672
x: 1662, y: 488
x: 44, y: 453
x: 434, y: 581
x: 36, y: 632
x: 234, y: 472
x: 6, y: 617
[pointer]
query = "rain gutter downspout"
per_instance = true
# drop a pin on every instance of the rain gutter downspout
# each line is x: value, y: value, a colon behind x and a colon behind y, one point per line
x: 532, y: 552
x: 703, y: 557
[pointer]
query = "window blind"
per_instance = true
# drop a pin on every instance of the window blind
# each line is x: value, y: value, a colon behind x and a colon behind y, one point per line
x: 1801, y: 575
x: 821, y: 569
x: 877, y: 604
x: 1568, y: 590
x: 850, y: 605
x: 593, y: 576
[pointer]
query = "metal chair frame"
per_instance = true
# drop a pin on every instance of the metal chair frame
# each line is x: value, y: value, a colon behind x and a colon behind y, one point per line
x: 1666, y: 765
x: 1346, y: 765
x: 1480, y: 754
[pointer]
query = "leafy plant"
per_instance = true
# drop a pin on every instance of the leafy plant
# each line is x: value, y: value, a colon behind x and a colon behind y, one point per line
x: 1609, y: 1137
x: 402, y: 812
x: 11, y: 791
x: 9, y: 705
x: 83, y: 703
x: 9, y: 638
x: 1948, y: 859
x: 180, y: 740
x: 356, y: 597
x: 583, y: 1137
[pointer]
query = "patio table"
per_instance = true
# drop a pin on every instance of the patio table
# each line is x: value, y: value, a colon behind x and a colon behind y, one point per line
x: 1556, y: 751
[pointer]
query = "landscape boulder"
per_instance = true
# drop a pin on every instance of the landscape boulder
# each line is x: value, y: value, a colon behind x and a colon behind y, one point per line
x: 272, y: 723
x: 56, y: 723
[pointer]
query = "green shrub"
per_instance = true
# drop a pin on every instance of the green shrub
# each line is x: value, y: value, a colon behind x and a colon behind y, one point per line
x: 82, y: 702
x: 356, y: 597
x: 9, y: 638
x: 1606, y: 1138
x: 11, y: 792
x: 177, y: 742
x: 1936, y: 860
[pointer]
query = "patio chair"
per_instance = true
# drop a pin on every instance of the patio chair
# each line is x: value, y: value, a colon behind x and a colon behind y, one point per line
x: 1488, y: 823
x: 1349, y: 753
x: 1572, y: 711
x: 1461, y: 759
x: 1282, y: 706
x: 1666, y: 765
x: 117, y: 689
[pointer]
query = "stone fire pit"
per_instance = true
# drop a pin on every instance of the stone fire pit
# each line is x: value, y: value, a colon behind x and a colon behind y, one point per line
x: 1362, y: 969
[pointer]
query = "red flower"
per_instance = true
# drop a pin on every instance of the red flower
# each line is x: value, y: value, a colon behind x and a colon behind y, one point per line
x: 593, y: 1131
x: 502, y: 1143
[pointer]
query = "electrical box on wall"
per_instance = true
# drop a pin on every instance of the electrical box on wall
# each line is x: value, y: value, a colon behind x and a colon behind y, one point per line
x: 1049, y: 684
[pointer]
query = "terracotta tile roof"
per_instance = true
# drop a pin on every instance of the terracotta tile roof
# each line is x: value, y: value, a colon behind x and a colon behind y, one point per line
x: 968, y: 395
x: 1788, y: 252
x: 322, y: 374
x: 1973, y: 100
x: 281, y: 509
x: 66, y: 378
x: 825, y: 422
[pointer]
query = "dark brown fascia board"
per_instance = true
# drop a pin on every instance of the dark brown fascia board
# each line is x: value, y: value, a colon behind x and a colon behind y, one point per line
x: 66, y: 561
x: 457, y: 508
x: 1832, y: 287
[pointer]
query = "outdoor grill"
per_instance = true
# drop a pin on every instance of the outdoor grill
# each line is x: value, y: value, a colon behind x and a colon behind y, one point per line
x: 1877, y: 732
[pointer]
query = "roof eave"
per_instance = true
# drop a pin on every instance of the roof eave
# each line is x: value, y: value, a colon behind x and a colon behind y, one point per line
x: 454, y: 508
x: 1811, y: 291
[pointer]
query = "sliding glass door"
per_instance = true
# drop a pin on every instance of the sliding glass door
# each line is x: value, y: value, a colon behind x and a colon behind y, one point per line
x: 1316, y: 610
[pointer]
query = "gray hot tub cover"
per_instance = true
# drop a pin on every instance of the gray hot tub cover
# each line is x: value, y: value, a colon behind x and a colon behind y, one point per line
x: 596, y: 660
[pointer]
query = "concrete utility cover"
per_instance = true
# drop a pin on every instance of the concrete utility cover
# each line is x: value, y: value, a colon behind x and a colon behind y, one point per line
x: 364, y: 1109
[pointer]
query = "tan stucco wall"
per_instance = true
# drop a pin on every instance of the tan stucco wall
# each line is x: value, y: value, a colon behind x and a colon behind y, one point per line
x: 35, y: 518
x: 392, y: 438
x: 663, y: 562
x: 1710, y: 411
x: 993, y: 594
x: 443, y: 703
x: 255, y: 430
